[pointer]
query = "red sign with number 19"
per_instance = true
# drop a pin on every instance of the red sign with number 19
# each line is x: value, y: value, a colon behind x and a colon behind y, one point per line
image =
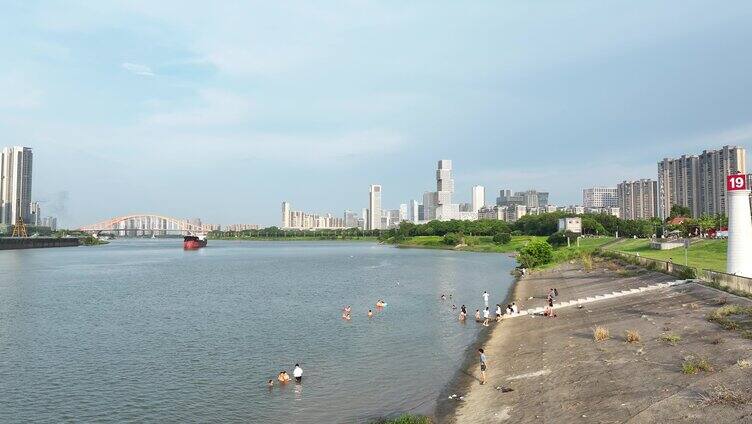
x: 736, y: 182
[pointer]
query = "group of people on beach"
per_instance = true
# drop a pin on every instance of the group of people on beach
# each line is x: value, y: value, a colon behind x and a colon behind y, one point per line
x: 486, y: 314
x: 283, y: 377
x: 347, y: 310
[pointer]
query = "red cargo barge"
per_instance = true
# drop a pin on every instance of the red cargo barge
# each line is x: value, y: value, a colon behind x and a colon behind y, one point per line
x: 194, y: 242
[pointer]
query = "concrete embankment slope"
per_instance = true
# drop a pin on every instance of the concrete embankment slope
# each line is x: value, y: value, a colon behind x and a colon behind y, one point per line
x: 9, y: 243
x: 559, y: 374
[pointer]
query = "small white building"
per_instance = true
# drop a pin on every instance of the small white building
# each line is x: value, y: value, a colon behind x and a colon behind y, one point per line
x: 573, y: 225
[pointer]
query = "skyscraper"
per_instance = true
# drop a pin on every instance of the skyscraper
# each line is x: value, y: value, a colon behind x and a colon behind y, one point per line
x: 445, y: 210
x: 479, y: 198
x: 638, y: 199
x: 285, y: 214
x: 15, y: 184
x: 699, y: 182
x: 374, y: 207
x: 412, y: 211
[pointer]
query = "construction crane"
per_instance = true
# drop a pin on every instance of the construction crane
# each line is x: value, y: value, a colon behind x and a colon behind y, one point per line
x: 19, y: 230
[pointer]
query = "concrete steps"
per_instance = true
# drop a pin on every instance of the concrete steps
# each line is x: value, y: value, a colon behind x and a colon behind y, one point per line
x: 599, y: 297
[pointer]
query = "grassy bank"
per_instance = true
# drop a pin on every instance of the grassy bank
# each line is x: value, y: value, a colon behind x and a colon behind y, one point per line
x: 472, y: 243
x: 703, y: 254
x: 486, y: 244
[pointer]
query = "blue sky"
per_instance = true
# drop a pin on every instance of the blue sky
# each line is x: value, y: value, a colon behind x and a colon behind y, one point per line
x: 221, y: 110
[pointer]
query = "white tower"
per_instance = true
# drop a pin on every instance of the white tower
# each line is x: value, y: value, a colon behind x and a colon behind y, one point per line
x: 739, y: 255
x: 374, y: 207
x: 479, y: 198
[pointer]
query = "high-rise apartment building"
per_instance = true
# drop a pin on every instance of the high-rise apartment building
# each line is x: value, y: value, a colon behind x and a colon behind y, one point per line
x: 529, y: 198
x: 403, y: 212
x: 308, y: 221
x: 15, y: 184
x: 35, y: 217
x: 479, y: 198
x: 351, y: 219
x: 600, y: 197
x: 638, y: 199
x: 698, y: 182
x: 374, y: 207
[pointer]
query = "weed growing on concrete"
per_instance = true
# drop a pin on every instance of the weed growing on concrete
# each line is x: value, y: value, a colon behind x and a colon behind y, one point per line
x: 722, y: 395
x: 671, y: 339
x: 632, y: 336
x: 716, y: 341
x: 723, y: 317
x: 744, y: 363
x: 693, y: 365
x: 600, y: 334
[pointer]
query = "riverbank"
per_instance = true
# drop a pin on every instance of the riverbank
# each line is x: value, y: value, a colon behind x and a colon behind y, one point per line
x: 14, y: 243
x: 681, y: 368
x: 322, y: 238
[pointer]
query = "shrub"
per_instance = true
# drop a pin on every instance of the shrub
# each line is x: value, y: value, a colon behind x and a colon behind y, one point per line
x: 692, y: 365
x: 536, y: 253
x: 687, y: 273
x: 587, y: 261
x: 600, y: 334
x: 452, y: 239
x: 559, y: 238
x: 632, y: 336
x: 502, y: 238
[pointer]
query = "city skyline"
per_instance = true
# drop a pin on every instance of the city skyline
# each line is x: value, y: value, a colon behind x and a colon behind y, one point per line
x: 223, y: 113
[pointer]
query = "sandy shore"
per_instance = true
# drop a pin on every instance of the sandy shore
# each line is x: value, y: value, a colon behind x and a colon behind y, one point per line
x: 558, y: 373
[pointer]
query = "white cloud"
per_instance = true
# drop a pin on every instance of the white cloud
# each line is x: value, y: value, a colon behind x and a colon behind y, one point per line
x: 138, y: 69
x: 18, y: 93
x: 214, y: 107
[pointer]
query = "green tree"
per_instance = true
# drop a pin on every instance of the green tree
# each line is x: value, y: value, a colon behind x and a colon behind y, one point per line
x: 502, y: 238
x: 536, y: 253
x: 679, y: 210
x: 452, y: 239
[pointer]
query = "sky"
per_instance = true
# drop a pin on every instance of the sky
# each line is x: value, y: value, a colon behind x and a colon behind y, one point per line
x: 222, y: 110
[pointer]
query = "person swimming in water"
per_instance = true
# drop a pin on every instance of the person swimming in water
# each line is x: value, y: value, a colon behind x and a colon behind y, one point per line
x: 283, y: 377
x: 270, y: 384
x: 370, y: 313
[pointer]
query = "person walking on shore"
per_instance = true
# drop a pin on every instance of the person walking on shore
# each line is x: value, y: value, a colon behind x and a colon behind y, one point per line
x: 498, y: 312
x: 485, y: 298
x: 482, y: 366
x: 297, y: 373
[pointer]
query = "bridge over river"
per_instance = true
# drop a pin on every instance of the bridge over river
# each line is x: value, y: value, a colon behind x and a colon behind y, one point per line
x: 139, y: 225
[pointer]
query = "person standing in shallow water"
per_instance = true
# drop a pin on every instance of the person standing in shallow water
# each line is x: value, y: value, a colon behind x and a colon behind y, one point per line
x: 482, y: 357
x: 485, y: 298
x: 297, y: 373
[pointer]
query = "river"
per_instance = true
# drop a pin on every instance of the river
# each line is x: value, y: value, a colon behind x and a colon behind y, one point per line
x: 142, y: 331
